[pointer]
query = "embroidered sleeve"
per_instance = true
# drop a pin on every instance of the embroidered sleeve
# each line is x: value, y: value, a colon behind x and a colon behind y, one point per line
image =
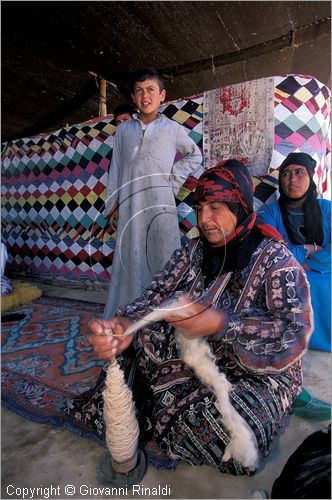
x: 271, y: 326
x: 174, y: 279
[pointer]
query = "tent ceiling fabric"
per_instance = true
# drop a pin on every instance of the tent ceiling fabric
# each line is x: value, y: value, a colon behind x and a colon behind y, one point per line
x: 48, y: 49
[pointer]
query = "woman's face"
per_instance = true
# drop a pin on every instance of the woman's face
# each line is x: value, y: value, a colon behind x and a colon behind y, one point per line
x: 215, y: 221
x: 294, y: 181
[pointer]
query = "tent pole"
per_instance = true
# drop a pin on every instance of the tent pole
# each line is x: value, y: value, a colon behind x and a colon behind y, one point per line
x: 102, y: 96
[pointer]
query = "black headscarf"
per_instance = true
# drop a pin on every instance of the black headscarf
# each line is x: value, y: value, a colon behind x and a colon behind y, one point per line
x: 313, y: 223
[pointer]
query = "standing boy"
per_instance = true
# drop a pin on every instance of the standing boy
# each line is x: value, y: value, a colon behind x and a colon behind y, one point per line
x: 142, y: 182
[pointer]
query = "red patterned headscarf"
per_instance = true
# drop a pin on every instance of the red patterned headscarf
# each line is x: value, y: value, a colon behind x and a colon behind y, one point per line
x: 231, y: 181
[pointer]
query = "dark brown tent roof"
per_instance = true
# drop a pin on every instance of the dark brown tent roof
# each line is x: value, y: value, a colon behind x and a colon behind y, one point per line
x: 48, y: 49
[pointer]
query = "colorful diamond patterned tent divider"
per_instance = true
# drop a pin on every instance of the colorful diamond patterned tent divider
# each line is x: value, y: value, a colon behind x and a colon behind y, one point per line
x: 53, y: 184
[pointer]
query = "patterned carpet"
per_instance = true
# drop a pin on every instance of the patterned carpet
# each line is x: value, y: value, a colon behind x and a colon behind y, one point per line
x: 46, y: 357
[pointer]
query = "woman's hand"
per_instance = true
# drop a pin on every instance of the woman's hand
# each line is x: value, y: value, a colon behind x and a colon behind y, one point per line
x: 311, y: 248
x: 200, y: 320
x: 106, y: 346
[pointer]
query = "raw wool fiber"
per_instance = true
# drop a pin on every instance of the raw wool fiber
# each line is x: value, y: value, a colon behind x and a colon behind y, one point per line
x: 22, y: 293
x: 242, y: 445
x: 197, y: 354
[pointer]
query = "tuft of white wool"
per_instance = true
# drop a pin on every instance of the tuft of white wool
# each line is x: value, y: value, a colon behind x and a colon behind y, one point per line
x: 242, y: 445
x: 197, y: 353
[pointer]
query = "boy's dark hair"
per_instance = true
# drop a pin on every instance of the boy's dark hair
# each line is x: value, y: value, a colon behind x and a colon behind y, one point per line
x: 147, y: 74
x: 124, y: 108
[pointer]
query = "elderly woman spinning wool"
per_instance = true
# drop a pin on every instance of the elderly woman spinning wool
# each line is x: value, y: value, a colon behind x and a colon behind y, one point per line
x: 223, y: 365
